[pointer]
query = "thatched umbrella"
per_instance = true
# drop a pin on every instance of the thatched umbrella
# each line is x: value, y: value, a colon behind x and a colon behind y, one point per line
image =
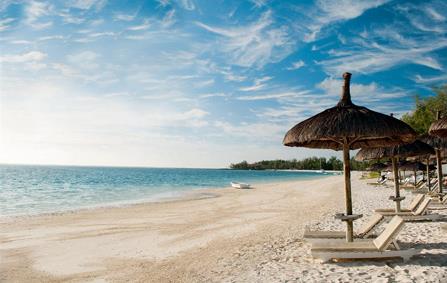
x: 413, y: 166
x: 439, y: 127
x: 415, y: 148
x: 377, y: 167
x: 347, y: 126
x: 440, y: 145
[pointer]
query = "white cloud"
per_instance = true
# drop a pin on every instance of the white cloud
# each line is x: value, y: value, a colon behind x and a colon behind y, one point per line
x: 187, y: 4
x: 367, y: 55
x: 361, y: 93
x: 4, y: 23
x: 169, y: 19
x: 87, y: 4
x: 163, y: 3
x: 145, y: 25
x: 20, y: 42
x: 99, y: 34
x: 296, y: 65
x: 431, y: 11
x: 84, y: 59
x: 276, y: 96
x: 50, y: 37
x: 329, y: 12
x: 68, y: 18
x: 32, y: 56
x: 195, y: 113
x: 36, y: 10
x: 259, y: 3
x: 124, y: 17
x: 254, y: 44
x: 435, y: 79
x: 258, y: 84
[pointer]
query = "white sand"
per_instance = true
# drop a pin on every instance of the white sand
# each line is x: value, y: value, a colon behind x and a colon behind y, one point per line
x: 236, y: 236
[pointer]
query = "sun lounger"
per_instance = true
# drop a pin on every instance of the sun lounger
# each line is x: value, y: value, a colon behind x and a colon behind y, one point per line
x: 315, y: 236
x: 410, y: 186
x: 412, y: 207
x: 379, y: 182
x: 380, y: 247
x: 419, y: 215
x: 438, y: 205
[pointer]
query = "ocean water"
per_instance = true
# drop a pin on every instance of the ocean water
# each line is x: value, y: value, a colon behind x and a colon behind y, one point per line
x: 27, y: 190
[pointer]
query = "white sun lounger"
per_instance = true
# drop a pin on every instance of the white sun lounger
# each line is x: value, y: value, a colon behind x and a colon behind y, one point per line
x: 439, y: 205
x: 379, y: 182
x: 419, y: 215
x: 316, y: 236
x: 380, y: 248
x: 412, y: 207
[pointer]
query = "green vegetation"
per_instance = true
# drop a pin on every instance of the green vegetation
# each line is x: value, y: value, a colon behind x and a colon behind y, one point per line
x: 312, y: 163
x: 425, y: 110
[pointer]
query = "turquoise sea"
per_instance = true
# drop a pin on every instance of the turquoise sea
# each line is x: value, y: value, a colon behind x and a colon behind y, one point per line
x: 26, y: 190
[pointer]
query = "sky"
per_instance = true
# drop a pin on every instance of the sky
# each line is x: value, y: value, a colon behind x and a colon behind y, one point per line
x: 190, y: 83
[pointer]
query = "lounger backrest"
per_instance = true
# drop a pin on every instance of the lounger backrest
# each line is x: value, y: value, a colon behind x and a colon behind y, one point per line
x: 416, y: 200
x: 367, y: 227
x: 421, y: 209
x: 391, y: 231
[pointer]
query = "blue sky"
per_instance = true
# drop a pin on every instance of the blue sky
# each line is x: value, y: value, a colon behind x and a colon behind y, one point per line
x: 201, y: 83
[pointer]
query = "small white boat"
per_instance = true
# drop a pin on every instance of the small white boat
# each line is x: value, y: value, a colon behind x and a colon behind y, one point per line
x: 240, y: 185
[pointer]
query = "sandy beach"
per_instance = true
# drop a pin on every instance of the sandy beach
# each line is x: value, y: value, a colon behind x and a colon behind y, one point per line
x: 220, y: 235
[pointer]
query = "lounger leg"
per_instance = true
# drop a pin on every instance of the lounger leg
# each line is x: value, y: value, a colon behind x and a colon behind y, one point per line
x: 396, y: 245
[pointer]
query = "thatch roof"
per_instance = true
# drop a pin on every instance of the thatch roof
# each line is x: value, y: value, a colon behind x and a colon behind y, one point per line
x: 347, y: 122
x: 407, y: 150
x: 413, y: 166
x: 379, y: 166
x: 439, y: 128
x: 434, y: 141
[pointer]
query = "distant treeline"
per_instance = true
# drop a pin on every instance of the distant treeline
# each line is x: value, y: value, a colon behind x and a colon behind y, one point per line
x: 312, y: 163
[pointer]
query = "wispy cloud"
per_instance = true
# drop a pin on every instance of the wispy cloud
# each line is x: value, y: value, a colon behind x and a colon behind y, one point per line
x: 275, y: 96
x: 328, y: 12
x: 145, y: 25
x: 124, y: 17
x: 368, y: 55
x: 254, y: 44
x: 169, y: 19
x: 296, y: 65
x: 35, y: 11
x: 84, y: 59
x: 187, y: 4
x: 87, y: 4
x: 257, y: 85
x: 32, y: 56
x: 361, y: 93
x: 434, y: 79
x: 259, y: 3
x: 5, y: 23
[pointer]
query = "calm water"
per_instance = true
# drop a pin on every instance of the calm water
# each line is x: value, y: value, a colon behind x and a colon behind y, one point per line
x: 41, y: 189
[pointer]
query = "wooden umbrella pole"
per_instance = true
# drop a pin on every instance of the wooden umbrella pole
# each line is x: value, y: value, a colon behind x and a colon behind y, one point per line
x: 396, y: 183
x: 439, y: 165
x: 415, y: 177
x: 428, y: 172
x: 347, y: 173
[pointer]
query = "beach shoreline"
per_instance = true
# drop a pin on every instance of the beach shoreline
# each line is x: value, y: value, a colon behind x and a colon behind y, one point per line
x: 238, y: 236
x: 170, y: 196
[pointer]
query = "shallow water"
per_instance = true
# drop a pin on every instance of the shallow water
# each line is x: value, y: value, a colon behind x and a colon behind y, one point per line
x: 42, y: 189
